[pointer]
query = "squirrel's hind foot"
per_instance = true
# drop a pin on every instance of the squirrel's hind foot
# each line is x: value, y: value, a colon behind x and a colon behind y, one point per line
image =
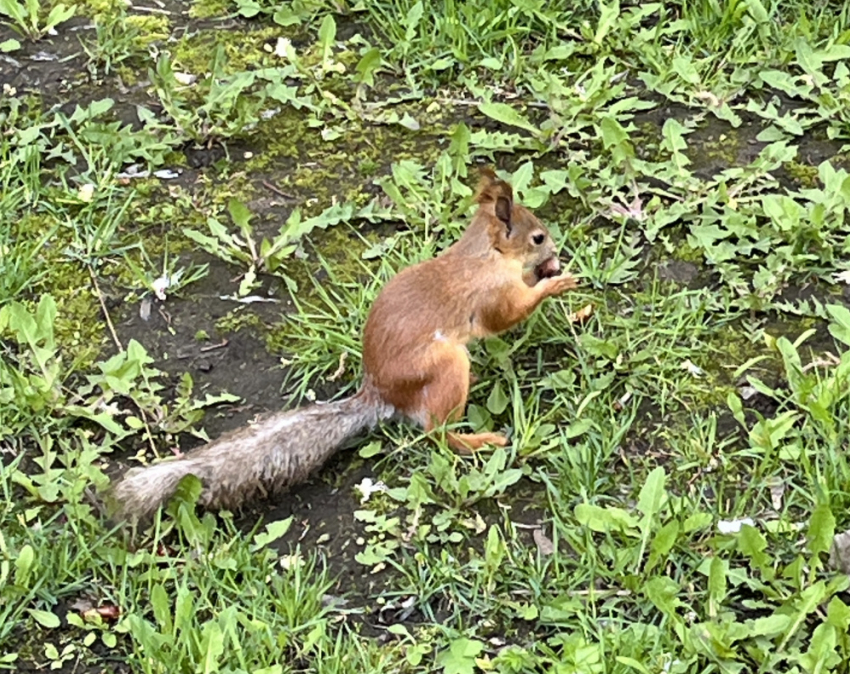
x: 469, y: 443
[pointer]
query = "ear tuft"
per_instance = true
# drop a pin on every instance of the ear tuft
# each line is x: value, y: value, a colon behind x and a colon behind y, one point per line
x: 492, y: 189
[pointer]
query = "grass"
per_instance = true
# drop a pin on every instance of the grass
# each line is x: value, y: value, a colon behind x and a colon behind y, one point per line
x: 678, y: 472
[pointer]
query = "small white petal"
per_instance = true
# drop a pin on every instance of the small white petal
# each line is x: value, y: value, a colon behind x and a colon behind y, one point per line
x: 86, y: 192
x: 185, y: 78
x: 159, y: 287
x: 281, y: 49
x: 733, y: 526
x: 695, y: 370
x: 368, y: 487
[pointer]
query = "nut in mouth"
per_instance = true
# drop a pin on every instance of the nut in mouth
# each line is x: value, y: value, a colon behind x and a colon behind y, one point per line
x: 548, y: 268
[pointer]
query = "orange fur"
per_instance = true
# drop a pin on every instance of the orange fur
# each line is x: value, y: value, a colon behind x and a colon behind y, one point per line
x: 414, y: 343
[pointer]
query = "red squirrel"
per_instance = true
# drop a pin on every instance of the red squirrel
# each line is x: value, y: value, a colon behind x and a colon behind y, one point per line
x: 415, y: 363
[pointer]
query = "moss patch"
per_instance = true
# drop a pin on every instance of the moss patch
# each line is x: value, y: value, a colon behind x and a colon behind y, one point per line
x: 244, y: 48
x: 208, y: 9
x: 805, y: 175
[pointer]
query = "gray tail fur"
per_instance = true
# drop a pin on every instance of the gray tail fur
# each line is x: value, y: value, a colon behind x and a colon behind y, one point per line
x: 265, y: 458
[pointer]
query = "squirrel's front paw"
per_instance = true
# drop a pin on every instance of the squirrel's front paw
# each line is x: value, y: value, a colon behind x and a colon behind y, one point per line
x: 560, y: 284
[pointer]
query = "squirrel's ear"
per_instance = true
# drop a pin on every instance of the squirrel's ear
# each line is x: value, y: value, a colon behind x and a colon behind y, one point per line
x: 492, y: 189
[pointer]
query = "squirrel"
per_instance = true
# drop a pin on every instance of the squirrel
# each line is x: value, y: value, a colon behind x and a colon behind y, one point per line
x: 415, y: 363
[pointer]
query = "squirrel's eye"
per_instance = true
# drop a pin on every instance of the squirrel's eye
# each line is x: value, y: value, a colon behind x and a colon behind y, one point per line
x: 538, y: 239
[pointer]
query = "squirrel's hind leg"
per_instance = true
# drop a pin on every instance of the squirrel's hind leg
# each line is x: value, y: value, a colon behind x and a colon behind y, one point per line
x: 443, y: 400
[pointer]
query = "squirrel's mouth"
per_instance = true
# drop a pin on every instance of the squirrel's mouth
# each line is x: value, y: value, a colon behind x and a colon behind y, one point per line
x: 547, y: 268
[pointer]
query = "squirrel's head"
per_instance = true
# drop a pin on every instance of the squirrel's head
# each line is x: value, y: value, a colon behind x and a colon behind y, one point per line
x: 514, y: 231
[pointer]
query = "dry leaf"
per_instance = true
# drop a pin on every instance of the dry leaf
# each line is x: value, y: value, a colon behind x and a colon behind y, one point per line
x: 621, y: 403
x: 712, y: 99
x: 694, y: 370
x: 250, y: 299
x: 81, y: 605
x: 475, y: 524
x: 747, y: 392
x: 293, y: 561
x: 581, y: 315
x: 839, y: 556
x: 544, y: 545
x: 145, y: 308
x: 108, y: 612
x: 634, y: 210
x: 340, y: 370
x: 185, y: 78
x: 777, y: 492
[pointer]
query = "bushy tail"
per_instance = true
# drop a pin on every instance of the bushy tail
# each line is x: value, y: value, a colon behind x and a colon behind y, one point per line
x: 265, y: 458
